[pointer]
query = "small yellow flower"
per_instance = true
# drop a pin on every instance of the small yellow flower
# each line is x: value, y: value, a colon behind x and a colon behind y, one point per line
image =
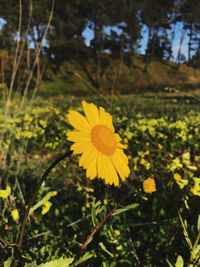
x: 149, y: 185
x: 195, y: 190
x: 160, y: 146
x: 46, y: 207
x: 105, y: 201
x: 56, y: 111
x: 117, y: 232
x: 87, y: 205
x: 177, y: 176
x: 100, y: 148
x: 49, y: 156
x: 5, y: 193
x: 15, y: 214
x: 126, y: 140
x: 181, y: 182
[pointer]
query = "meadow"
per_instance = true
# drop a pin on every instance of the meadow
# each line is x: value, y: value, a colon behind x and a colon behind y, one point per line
x: 142, y: 228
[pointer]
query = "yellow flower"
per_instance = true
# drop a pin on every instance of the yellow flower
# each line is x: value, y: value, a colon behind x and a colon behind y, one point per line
x: 56, y: 111
x: 15, y: 214
x: 195, y: 190
x: 46, y: 207
x: 181, y: 182
x: 105, y: 201
x: 95, y: 138
x: 5, y: 193
x: 149, y: 185
x: 117, y: 232
x: 126, y: 140
x: 160, y: 146
x: 177, y: 176
x: 87, y: 205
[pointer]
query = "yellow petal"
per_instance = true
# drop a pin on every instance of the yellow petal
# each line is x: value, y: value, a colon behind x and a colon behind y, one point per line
x: 120, y: 154
x: 100, y: 165
x: 91, y: 112
x: 78, y: 121
x: 106, y: 118
x: 75, y: 136
x: 88, y: 156
x: 112, y: 173
x: 120, y: 166
x: 91, y: 171
x: 79, y: 148
x: 105, y: 169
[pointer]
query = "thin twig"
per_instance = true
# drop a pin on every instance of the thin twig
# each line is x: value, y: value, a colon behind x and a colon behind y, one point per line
x: 185, y: 230
x: 100, y: 224
x: 136, y: 256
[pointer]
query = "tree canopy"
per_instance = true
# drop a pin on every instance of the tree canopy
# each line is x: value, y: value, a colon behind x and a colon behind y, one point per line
x: 126, y: 19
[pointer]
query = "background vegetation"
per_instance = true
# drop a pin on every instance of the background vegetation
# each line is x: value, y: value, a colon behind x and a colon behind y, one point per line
x: 46, y: 70
x: 110, y: 61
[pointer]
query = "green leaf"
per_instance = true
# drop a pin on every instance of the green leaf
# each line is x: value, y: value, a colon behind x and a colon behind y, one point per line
x: 169, y: 263
x: 126, y: 208
x: 84, y: 258
x: 8, y: 262
x: 41, y: 202
x: 197, y: 250
x: 198, y: 223
x: 93, y: 214
x: 58, y: 263
x: 96, y: 209
x: 179, y: 262
x: 101, y: 244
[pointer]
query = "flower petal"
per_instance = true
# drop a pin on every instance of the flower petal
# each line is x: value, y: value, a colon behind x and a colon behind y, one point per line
x: 76, y: 136
x: 120, y: 166
x: 100, y: 166
x: 106, y: 118
x: 91, y: 112
x: 113, y: 177
x: 105, y: 169
x: 80, y: 147
x: 88, y: 156
x: 91, y: 171
x: 78, y: 121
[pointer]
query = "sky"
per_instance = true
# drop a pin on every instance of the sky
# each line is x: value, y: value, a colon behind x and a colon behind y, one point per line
x: 88, y: 35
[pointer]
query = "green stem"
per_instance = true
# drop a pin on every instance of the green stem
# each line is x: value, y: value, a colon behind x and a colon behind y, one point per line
x: 67, y: 154
x: 192, y: 255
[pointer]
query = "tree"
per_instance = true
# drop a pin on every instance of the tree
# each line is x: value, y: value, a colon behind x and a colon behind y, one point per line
x: 65, y: 38
x: 155, y: 14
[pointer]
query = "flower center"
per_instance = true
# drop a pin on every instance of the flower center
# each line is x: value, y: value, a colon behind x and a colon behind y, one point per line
x: 103, y: 139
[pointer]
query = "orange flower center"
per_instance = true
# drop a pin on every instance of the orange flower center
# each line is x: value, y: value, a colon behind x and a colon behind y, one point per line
x: 103, y: 139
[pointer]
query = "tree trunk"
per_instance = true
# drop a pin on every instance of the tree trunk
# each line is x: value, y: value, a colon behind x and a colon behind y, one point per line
x: 147, y: 50
x: 98, y: 31
x: 190, y: 42
x: 180, y: 46
x: 171, y: 41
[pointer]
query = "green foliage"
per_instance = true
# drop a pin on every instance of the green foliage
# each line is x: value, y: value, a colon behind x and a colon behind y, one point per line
x: 57, y: 263
x: 145, y: 229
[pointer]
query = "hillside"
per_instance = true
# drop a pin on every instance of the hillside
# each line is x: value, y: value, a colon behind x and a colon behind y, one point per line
x: 79, y: 78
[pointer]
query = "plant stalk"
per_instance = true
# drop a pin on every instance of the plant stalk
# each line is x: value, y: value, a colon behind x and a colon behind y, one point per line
x: 100, y: 224
x: 48, y: 170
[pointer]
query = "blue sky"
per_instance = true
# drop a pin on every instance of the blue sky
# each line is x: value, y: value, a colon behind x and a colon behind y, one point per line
x: 88, y: 35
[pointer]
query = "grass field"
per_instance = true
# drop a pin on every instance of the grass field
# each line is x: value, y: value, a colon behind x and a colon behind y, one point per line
x: 162, y: 134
